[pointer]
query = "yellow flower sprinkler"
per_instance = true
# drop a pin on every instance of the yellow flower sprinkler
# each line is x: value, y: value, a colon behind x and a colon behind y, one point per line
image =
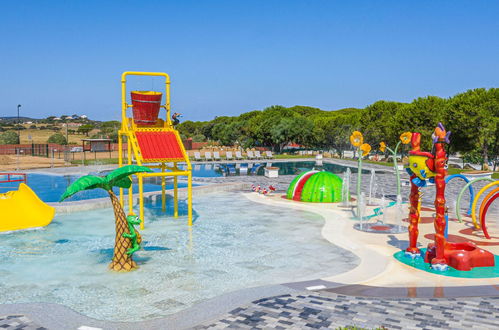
x: 363, y: 149
x: 405, y: 138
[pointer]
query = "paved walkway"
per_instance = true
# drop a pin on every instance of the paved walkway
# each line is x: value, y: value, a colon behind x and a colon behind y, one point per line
x: 323, y: 310
x: 18, y: 322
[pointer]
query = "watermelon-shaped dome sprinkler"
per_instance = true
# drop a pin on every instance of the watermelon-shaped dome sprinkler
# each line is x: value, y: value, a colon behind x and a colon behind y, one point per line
x: 316, y: 187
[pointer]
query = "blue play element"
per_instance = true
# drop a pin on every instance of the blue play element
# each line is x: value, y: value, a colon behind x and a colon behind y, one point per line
x: 418, y: 182
x: 470, y: 188
x: 423, y: 173
x: 432, y: 180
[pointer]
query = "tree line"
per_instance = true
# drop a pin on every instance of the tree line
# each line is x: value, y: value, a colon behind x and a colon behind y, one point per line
x: 472, y: 117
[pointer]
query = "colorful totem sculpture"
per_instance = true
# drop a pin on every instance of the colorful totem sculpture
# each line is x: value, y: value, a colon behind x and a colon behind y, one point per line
x: 425, y: 165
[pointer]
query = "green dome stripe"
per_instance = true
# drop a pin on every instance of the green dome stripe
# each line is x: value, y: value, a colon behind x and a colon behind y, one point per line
x: 322, y: 187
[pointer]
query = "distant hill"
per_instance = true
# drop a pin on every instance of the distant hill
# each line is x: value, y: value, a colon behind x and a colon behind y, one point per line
x: 14, y: 118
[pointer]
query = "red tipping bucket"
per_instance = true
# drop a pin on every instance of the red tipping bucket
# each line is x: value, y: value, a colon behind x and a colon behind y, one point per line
x: 146, y: 107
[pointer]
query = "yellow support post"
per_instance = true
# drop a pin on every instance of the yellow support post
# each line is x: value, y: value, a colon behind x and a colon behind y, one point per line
x: 189, y: 198
x: 130, y: 190
x: 163, y: 189
x: 141, y: 201
x: 130, y: 129
x: 120, y: 162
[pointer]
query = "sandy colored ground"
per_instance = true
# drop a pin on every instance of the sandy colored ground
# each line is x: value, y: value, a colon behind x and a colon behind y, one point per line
x: 378, y: 267
x: 11, y: 163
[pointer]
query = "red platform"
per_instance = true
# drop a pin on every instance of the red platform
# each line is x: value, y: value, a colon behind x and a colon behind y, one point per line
x: 155, y: 146
x: 462, y: 256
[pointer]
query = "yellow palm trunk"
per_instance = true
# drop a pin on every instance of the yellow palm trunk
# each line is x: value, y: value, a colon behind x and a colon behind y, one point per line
x: 121, y: 260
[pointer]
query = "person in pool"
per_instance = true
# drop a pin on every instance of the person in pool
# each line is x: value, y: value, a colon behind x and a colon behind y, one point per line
x: 175, y: 118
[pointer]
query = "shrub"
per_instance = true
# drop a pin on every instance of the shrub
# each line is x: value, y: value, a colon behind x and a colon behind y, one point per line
x: 57, y: 138
x: 198, y: 138
x: 9, y: 137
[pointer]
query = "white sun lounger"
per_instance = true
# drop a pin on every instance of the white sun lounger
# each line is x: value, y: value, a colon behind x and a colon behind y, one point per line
x: 216, y: 155
x: 250, y: 154
x: 197, y: 156
x: 228, y: 155
x: 257, y: 154
x: 238, y: 155
x: 268, y: 154
x: 207, y: 155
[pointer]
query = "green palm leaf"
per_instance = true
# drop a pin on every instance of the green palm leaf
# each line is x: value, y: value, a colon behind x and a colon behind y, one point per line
x: 123, y: 183
x: 119, y: 174
x: 84, y: 183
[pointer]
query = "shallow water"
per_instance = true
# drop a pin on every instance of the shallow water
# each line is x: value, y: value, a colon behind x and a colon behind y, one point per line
x: 234, y: 244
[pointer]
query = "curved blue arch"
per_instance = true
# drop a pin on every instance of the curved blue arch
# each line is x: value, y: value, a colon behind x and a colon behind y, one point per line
x: 470, y: 188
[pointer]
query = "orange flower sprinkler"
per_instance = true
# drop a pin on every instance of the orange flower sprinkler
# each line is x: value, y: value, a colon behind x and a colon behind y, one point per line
x: 363, y: 149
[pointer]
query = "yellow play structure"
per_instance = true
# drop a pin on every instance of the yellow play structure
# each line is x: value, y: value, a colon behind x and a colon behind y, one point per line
x: 22, y: 209
x: 152, y: 142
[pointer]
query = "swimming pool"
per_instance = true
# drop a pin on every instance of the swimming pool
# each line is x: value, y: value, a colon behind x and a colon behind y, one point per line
x: 51, y: 187
x: 234, y: 244
x: 258, y: 168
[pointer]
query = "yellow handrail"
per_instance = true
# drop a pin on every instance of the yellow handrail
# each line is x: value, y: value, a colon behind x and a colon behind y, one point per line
x: 125, y: 106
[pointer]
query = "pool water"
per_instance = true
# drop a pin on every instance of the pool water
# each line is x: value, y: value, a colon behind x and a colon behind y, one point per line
x: 234, y: 244
x: 51, y: 187
x: 258, y: 168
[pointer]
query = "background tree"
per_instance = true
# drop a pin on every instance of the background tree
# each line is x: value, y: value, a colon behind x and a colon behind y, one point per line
x: 57, y: 138
x: 473, y: 119
x: 9, y: 137
x: 85, y: 129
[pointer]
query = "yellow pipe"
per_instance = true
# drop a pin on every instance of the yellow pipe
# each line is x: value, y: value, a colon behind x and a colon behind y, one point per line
x: 163, y: 192
x: 482, y: 206
x: 120, y: 163
x: 179, y: 173
x: 157, y: 74
x: 130, y: 190
x: 141, y: 201
x: 189, y: 198
x: 475, y: 202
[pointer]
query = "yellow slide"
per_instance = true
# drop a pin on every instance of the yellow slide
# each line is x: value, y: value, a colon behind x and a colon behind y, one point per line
x: 22, y: 209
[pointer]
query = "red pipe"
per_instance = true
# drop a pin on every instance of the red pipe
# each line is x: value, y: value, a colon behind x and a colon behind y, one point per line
x: 24, y: 179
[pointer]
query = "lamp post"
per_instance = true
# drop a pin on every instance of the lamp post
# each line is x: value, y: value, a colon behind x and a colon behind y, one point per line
x: 18, y: 123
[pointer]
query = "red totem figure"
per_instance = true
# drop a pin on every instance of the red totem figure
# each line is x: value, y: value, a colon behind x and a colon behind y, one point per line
x: 431, y: 166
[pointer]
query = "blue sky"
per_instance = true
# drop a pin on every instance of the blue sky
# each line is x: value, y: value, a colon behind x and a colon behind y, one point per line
x: 229, y: 57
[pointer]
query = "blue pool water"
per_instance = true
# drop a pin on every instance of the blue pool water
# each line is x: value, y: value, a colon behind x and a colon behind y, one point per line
x: 234, y: 244
x: 258, y: 168
x: 51, y: 187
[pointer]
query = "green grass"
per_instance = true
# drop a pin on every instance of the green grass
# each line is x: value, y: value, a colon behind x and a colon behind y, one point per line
x: 104, y: 161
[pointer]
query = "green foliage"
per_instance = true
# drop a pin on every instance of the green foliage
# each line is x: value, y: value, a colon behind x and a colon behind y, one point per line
x: 117, y: 178
x: 473, y: 157
x: 57, y: 138
x: 472, y: 117
x: 85, y: 129
x: 199, y: 138
x: 9, y: 137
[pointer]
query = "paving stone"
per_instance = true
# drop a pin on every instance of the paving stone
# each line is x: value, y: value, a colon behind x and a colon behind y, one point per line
x: 301, y: 311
